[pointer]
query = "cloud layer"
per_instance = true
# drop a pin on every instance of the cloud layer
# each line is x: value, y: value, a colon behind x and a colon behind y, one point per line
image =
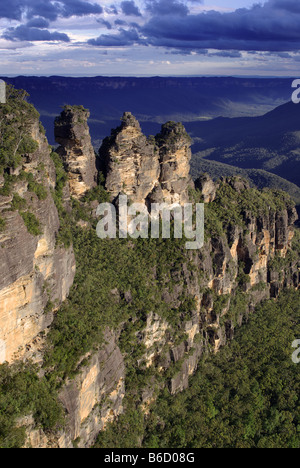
x: 172, y: 27
x: 273, y: 26
x: 51, y: 10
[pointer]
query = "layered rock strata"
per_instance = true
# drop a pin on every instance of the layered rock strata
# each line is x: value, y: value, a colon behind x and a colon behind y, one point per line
x: 91, y: 400
x: 240, y: 261
x: 76, y: 150
x: 35, y: 272
x: 153, y: 170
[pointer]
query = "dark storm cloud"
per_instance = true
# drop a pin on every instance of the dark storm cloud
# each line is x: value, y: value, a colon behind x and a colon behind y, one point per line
x: 15, y: 8
x: 135, y: 26
x: 227, y: 54
x: 79, y: 8
x: 104, y: 23
x: 290, y: 5
x: 23, y: 33
x: 39, y: 13
x: 129, y: 8
x: 269, y: 27
x: 42, y: 8
x: 123, y: 38
x: 120, y: 22
x: 166, y: 7
x: 38, y: 23
x: 222, y: 53
x: 51, y: 10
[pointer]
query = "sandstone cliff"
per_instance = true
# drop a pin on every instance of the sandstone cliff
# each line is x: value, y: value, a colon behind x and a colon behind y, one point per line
x: 147, y: 170
x: 209, y: 292
x: 171, y: 305
x: 76, y: 150
x: 91, y: 400
x: 36, y: 274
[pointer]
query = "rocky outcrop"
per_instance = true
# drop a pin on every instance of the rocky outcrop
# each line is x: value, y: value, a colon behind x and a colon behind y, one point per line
x: 147, y: 170
x: 35, y: 272
x: 174, y: 156
x: 91, y: 400
x: 222, y: 283
x: 207, y: 187
x: 76, y: 150
x: 130, y: 162
x: 206, y: 294
x: 238, y: 265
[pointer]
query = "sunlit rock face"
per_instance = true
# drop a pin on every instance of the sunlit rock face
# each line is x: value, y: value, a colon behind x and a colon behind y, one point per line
x: 34, y: 271
x: 207, y: 187
x: 198, y: 290
x: 92, y: 399
x: 174, y: 157
x: 76, y: 150
x: 152, y: 170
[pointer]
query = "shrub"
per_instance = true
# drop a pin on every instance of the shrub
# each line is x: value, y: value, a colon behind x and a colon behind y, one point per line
x: 18, y: 203
x: 2, y: 224
x: 16, y: 119
x: 32, y: 223
x: 64, y: 236
x: 22, y: 393
x: 35, y: 187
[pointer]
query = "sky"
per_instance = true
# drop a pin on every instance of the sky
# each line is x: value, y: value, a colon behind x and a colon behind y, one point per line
x: 150, y: 37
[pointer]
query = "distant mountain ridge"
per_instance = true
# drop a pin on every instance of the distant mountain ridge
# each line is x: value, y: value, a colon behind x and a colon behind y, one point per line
x: 152, y: 100
x: 234, y: 122
x: 270, y: 142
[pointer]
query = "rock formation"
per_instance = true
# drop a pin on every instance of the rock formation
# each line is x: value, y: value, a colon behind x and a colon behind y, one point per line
x: 35, y: 272
x: 92, y: 399
x: 147, y: 170
x: 76, y: 150
x: 207, y: 187
x: 199, y: 288
x: 174, y: 157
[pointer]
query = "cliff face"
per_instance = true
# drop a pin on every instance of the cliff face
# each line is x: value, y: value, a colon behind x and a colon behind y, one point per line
x: 91, y: 400
x: 76, y: 150
x: 197, y: 298
x: 226, y: 279
x: 35, y: 272
x: 223, y: 282
x: 147, y: 170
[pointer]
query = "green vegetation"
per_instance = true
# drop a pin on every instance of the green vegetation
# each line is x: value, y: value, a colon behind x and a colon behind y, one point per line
x: 18, y: 203
x: 16, y: 119
x: 76, y: 108
x: 279, y: 263
x: 97, y: 193
x: 36, y: 188
x: 79, y: 110
x: 23, y: 393
x: 9, y: 181
x: 144, y: 268
x: 104, y: 266
x: 2, y: 224
x: 31, y: 222
x: 257, y: 177
x: 170, y: 132
x: 229, y: 208
x: 80, y: 210
x: 6, y: 189
x: 246, y: 396
x: 65, y: 232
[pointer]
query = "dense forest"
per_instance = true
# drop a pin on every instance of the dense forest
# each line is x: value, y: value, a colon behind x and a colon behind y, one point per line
x: 246, y: 396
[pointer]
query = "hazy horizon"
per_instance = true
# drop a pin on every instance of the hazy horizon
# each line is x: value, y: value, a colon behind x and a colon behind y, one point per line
x: 150, y: 76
